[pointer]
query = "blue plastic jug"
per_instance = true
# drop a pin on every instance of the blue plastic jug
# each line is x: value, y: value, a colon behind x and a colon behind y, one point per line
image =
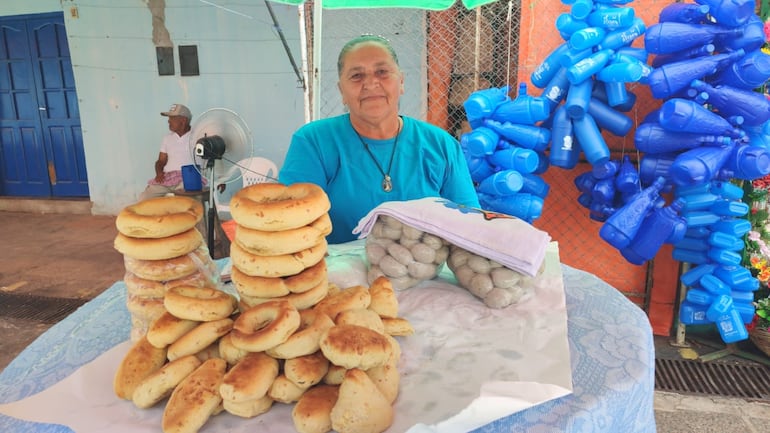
x: 670, y: 37
x: 748, y: 162
x: 684, y: 13
x: 653, y: 166
x: 622, y: 226
x: 731, y: 327
x: 699, y: 165
x: 671, y: 78
x: 684, y: 115
x: 731, y: 13
x: 663, y: 225
x: 752, y: 38
x: 694, y: 274
x: 191, y: 178
x: 749, y: 72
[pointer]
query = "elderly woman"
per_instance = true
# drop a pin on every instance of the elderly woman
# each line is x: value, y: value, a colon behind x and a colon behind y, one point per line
x: 373, y: 154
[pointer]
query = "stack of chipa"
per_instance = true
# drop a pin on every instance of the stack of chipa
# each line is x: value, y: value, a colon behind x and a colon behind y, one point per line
x: 333, y: 356
x: 161, y: 249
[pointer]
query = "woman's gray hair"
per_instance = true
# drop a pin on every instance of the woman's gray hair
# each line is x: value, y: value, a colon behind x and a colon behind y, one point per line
x: 358, y: 40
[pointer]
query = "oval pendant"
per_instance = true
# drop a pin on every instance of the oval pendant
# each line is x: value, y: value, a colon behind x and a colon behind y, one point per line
x: 387, y: 185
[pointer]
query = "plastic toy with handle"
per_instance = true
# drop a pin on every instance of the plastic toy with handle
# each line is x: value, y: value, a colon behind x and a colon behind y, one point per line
x: 622, y: 226
x: 663, y: 225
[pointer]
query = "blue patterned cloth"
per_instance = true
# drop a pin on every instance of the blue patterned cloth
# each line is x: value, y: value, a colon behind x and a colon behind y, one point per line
x: 610, y: 339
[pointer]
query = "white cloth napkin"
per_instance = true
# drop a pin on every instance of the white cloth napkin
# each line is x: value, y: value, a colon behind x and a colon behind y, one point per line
x: 508, y: 240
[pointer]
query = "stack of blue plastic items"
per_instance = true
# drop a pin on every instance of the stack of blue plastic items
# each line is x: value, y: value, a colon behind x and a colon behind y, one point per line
x: 711, y: 128
x: 584, y: 91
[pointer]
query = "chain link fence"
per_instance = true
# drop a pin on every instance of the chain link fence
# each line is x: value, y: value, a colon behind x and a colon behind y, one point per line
x: 448, y: 54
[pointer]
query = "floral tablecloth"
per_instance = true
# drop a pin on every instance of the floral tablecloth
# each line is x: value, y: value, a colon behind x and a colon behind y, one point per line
x: 609, y: 338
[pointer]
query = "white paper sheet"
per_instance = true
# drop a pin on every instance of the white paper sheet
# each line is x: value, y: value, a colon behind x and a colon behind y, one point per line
x: 465, y: 366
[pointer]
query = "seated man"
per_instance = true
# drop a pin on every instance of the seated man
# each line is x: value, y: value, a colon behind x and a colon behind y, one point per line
x: 174, y: 154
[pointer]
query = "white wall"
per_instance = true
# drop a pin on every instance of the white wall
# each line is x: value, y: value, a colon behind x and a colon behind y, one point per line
x: 243, y: 68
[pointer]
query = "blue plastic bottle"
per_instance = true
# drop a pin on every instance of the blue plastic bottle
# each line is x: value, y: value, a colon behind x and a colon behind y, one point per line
x: 606, y: 170
x: 694, y: 274
x: 748, y: 162
x: 671, y: 78
x: 731, y: 327
x: 581, y: 8
x: 515, y: 158
x: 611, y: 18
x: 733, y: 275
x: 714, y: 285
x: 663, y: 225
x: 621, y: 228
x: 479, y: 169
x: 627, y: 180
x: 502, y: 183
x: 525, y: 206
x: 623, y: 37
x: 684, y: 13
x: 586, y: 38
x: 752, y: 38
x: 724, y: 207
x: 684, y: 115
x: 653, y: 138
x: 603, y: 191
x: 524, y: 109
x: 653, y: 166
x: 670, y: 37
x: 591, y: 141
x: 573, y: 56
x: 589, y: 66
x: 754, y: 107
x: 585, y: 182
x: 556, y: 89
x: 699, y: 165
x: 609, y: 119
x: 548, y: 67
x: 566, y: 24
x: 480, y: 141
x: 690, y: 256
x: 701, y: 218
x: 482, y: 103
x: 698, y: 202
x: 734, y: 227
x: 750, y: 72
x: 691, y: 313
x: 565, y: 150
x: 731, y: 13
x: 621, y: 72
x: 534, y: 184
x: 727, y: 190
x: 725, y: 241
x: 529, y: 136
x: 577, y: 99
x: 600, y: 93
x: 690, y: 53
x: 719, y: 307
x: 724, y: 257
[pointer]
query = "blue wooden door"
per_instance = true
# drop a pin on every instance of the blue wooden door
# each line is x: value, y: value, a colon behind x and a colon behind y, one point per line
x: 41, y: 143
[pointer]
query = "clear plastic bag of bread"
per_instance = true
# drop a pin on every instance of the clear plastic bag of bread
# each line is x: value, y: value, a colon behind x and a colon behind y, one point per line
x: 405, y: 255
x: 488, y: 280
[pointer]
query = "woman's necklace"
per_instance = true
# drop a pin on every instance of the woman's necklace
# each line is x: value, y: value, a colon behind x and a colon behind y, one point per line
x: 387, y: 183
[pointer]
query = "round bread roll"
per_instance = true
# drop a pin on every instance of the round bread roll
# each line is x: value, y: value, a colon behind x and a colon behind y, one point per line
x: 159, y: 248
x: 273, y: 287
x: 335, y: 375
x: 159, y: 217
x: 306, y: 371
x: 265, y: 326
x: 398, y: 327
x: 346, y: 299
x: 285, y: 391
x: 360, y: 405
x: 274, y: 243
x: 195, y: 399
x: 202, y: 304
x: 275, y: 207
x: 162, y: 382
x: 248, y: 408
x: 305, y: 340
x: 141, y: 360
x: 387, y: 379
x: 228, y: 351
x: 173, y: 268
x: 361, y: 317
x: 384, y: 301
x: 143, y: 308
x: 353, y: 346
x: 300, y: 301
x: 250, y: 378
x: 312, y: 413
x: 199, y: 338
x: 167, y: 329
x: 143, y: 288
x: 276, y: 266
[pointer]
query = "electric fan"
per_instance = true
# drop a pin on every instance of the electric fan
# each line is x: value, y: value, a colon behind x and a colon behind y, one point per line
x: 221, y: 138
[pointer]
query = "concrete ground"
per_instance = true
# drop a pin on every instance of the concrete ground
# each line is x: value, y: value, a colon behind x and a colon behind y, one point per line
x: 70, y: 255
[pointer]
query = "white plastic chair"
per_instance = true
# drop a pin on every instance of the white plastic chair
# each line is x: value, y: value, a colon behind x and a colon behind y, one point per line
x: 252, y: 171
